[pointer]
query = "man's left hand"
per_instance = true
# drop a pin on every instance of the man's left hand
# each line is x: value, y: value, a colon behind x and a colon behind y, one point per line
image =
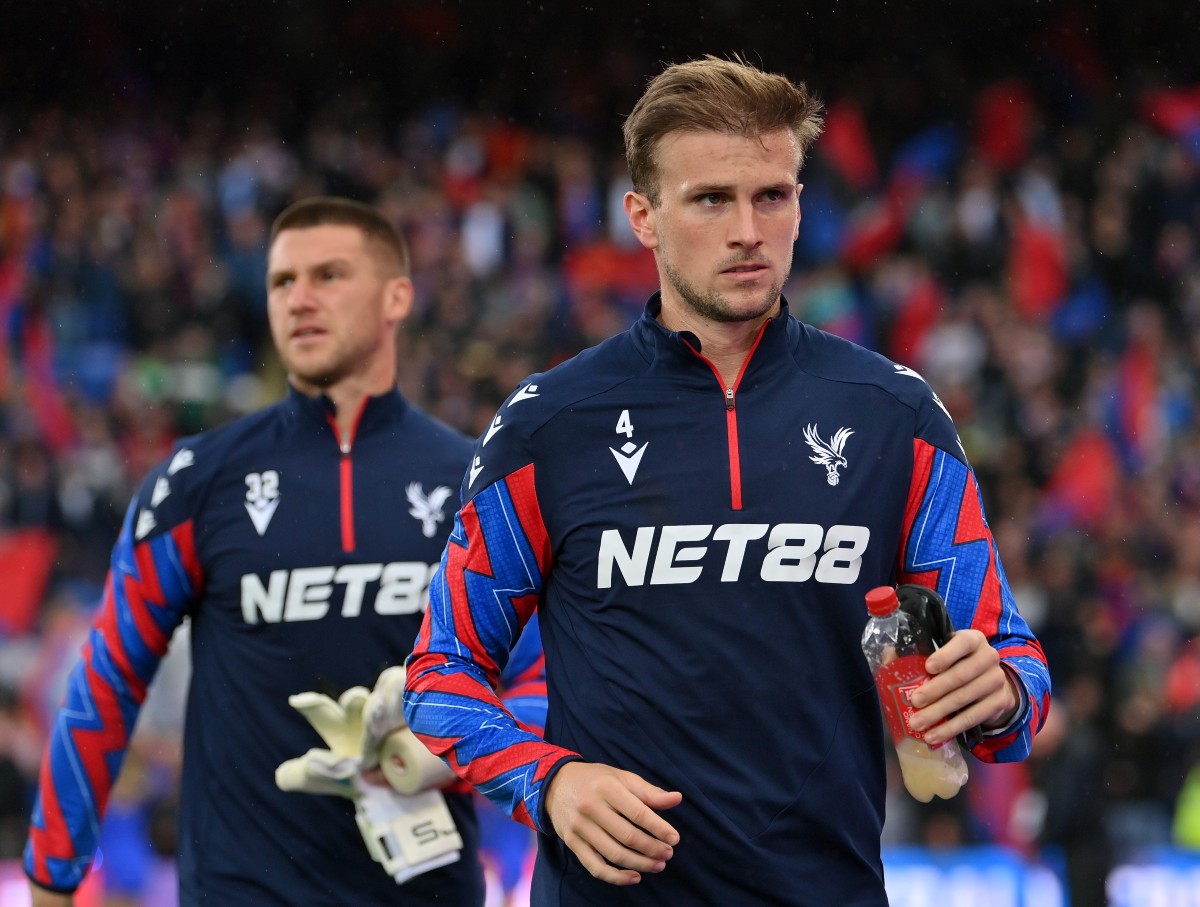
x: 968, y: 687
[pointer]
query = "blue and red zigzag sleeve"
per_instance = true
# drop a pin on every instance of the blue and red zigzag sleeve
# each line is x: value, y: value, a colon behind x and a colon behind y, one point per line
x: 484, y: 594
x: 523, y: 681
x: 948, y: 546
x: 148, y: 589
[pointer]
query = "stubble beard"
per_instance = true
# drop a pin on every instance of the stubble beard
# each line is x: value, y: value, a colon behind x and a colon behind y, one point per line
x: 715, y: 306
x: 317, y: 373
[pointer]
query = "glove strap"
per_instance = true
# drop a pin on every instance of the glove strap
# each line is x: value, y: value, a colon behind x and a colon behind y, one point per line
x: 408, y: 835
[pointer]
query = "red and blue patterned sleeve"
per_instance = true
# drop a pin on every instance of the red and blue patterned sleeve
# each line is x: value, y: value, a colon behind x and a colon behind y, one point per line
x: 149, y: 588
x: 523, y: 681
x: 482, y: 597
x: 947, y: 545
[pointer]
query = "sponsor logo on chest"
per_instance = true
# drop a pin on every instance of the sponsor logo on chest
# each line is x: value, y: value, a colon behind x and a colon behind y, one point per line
x: 670, y: 555
x: 307, y: 593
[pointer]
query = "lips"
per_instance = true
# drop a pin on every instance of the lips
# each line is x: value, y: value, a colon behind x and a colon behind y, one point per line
x: 746, y: 270
x: 741, y: 265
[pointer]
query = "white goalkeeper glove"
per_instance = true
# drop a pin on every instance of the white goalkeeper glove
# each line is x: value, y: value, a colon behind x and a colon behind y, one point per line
x: 388, y: 744
x: 329, y: 771
x: 408, y: 830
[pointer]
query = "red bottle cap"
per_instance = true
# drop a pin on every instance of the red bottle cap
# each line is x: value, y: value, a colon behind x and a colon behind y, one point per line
x: 882, y: 600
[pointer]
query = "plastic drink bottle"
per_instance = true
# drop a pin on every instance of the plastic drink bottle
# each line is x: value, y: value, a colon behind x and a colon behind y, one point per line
x: 896, y: 647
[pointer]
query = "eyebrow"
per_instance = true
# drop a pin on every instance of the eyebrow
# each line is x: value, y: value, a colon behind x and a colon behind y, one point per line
x: 274, y: 277
x: 705, y: 188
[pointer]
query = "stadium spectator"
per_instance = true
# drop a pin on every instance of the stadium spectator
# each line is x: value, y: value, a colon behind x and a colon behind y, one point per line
x: 655, y: 771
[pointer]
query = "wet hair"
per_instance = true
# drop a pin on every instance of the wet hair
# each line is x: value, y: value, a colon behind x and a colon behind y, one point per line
x: 714, y: 95
x: 325, y: 210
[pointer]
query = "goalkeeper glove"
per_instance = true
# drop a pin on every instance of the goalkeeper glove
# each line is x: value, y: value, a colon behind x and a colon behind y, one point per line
x: 388, y: 744
x: 329, y: 771
x: 408, y: 831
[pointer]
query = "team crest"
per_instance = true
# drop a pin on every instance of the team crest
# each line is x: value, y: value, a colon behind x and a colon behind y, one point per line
x: 429, y: 510
x: 828, y: 454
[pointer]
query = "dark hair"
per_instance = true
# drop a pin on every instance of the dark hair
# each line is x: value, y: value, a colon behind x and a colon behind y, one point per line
x: 711, y: 94
x: 323, y: 210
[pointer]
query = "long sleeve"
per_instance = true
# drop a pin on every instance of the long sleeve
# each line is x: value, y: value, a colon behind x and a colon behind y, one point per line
x: 523, y: 680
x: 482, y: 597
x: 947, y: 545
x: 149, y: 587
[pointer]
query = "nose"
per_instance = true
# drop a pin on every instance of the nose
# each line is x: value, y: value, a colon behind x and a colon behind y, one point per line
x: 745, y: 231
x: 299, y: 295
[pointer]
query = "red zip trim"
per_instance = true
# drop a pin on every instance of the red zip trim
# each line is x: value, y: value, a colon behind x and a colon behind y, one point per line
x: 731, y: 424
x: 735, y: 457
x: 347, y: 494
x: 346, y: 476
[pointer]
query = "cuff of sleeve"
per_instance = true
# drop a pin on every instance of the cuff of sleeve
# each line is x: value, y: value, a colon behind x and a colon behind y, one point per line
x: 1022, y: 712
x: 545, y: 826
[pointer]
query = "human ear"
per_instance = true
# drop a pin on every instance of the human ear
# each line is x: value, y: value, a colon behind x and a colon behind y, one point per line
x: 641, y: 219
x: 397, y: 299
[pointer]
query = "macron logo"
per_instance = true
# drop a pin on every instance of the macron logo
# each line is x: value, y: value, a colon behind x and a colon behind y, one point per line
x: 528, y: 392
x: 145, y: 523
x: 493, y: 428
x: 629, y: 457
x: 476, y: 469
x: 905, y: 370
x: 181, y: 460
x: 162, y: 489
x: 261, y: 513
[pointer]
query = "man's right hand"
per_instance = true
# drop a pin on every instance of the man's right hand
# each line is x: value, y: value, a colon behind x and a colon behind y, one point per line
x: 608, y: 818
x: 42, y: 897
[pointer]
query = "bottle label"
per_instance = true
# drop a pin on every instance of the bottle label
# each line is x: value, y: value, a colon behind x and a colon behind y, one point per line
x: 895, y: 681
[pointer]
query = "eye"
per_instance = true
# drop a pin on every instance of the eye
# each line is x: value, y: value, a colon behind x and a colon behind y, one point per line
x: 710, y: 199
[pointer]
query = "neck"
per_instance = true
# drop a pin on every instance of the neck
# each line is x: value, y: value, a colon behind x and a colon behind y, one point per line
x: 726, y: 344
x: 347, y: 400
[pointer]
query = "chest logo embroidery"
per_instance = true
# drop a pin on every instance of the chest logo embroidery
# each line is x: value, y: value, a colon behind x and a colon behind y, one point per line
x: 262, y: 497
x: 628, y: 455
x: 828, y: 454
x: 429, y: 510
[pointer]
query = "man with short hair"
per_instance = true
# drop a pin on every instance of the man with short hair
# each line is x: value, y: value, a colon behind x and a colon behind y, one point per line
x: 299, y: 542
x: 695, y: 509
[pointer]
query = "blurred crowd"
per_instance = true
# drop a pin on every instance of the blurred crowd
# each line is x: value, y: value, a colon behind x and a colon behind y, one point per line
x: 1031, y: 250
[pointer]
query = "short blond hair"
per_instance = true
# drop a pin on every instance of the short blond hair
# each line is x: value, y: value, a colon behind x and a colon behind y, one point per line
x: 326, y: 210
x: 711, y: 94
